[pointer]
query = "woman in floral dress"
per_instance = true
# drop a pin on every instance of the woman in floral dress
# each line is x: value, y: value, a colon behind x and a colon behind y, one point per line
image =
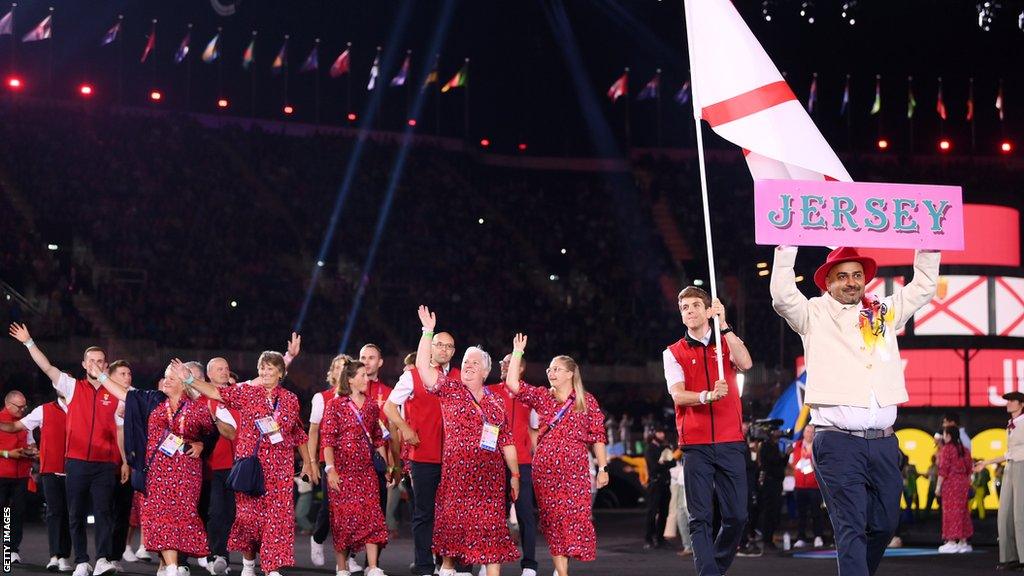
x: 470, y: 515
x: 955, y: 466
x: 570, y: 423
x: 264, y: 524
x: 169, y: 516
x: 350, y: 431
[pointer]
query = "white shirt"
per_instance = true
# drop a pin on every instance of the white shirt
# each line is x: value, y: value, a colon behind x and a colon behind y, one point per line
x: 673, y: 371
x: 34, y: 420
x: 225, y: 416
x: 316, y: 412
x: 404, y: 388
x: 853, y: 417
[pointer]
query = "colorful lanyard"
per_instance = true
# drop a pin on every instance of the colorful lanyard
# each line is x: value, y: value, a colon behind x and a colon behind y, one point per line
x: 170, y: 417
x: 561, y: 412
x: 359, y: 417
x: 479, y: 408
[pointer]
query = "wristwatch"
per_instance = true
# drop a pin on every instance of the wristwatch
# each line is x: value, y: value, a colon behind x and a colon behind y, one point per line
x: 602, y: 468
x: 725, y: 331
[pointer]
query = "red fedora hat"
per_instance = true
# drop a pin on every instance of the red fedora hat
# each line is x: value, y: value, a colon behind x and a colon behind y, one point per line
x: 840, y: 255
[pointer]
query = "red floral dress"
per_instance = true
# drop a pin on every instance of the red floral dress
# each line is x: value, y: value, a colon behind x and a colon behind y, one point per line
x: 265, y: 524
x: 561, y: 471
x: 356, y: 518
x: 469, y: 516
x: 956, y: 481
x: 170, y: 516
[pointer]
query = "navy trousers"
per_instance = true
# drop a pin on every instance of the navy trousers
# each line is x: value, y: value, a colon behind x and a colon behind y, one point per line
x: 57, y: 530
x: 323, y: 516
x: 719, y: 470
x: 526, y: 514
x: 221, y: 513
x: 96, y: 481
x: 425, y: 480
x: 861, y: 482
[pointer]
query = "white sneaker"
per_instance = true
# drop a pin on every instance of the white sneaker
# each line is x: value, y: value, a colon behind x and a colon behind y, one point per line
x: 799, y: 544
x: 274, y: 573
x: 161, y: 571
x: 342, y: 573
x: 529, y: 572
x: 65, y: 565
x: 52, y: 565
x: 818, y: 542
x: 103, y: 566
x: 374, y: 572
x: 182, y: 571
x: 82, y: 569
x: 201, y: 562
x: 354, y: 566
x: 248, y: 570
x: 446, y: 572
x: 219, y: 566
x: 949, y: 548
x: 128, y: 555
x: 316, y: 552
x: 964, y: 547
x: 143, y: 554
x: 482, y: 571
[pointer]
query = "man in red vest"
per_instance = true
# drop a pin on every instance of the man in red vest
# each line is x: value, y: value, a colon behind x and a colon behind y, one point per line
x: 15, y: 465
x: 221, y: 509
x: 92, y: 459
x: 51, y: 419
x: 806, y: 491
x: 421, y: 429
x: 524, y: 430
x: 709, y: 421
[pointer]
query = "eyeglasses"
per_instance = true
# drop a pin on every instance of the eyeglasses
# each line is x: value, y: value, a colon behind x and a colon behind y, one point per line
x: 444, y: 346
x: 555, y: 370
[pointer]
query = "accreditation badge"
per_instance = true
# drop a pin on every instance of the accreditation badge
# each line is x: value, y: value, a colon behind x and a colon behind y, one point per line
x: 489, y: 437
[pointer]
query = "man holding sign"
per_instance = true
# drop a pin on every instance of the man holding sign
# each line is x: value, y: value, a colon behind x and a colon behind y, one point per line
x: 854, y: 383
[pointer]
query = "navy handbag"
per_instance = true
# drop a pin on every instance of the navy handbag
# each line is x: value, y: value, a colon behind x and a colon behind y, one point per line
x: 246, y: 474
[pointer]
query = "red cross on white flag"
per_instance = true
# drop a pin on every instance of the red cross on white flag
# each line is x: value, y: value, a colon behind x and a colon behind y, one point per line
x: 739, y: 91
x: 1009, y: 301
x: 960, y: 307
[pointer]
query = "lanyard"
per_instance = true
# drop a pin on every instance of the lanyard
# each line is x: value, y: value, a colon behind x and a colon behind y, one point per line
x: 561, y: 412
x: 170, y: 417
x: 477, y: 405
x: 273, y: 407
x: 359, y: 417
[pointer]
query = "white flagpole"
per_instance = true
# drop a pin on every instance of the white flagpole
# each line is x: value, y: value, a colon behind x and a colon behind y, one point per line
x: 698, y: 105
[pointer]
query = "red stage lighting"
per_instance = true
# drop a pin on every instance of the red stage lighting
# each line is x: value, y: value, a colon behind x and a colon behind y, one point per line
x: 352, y: 116
x: 522, y: 146
x: 288, y: 109
x: 1006, y: 146
x: 14, y: 83
x: 945, y: 145
x: 85, y: 90
x: 222, y: 103
x: 412, y: 121
x: 883, y: 144
x: 485, y: 142
x: 155, y: 96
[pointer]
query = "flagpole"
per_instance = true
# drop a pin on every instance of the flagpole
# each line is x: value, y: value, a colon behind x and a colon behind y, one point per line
x: 707, y: 234
x: 437, y: 95
x: 626, y: 94
x: 348, y: 81
x: 120, y: 60
x: 316, y: 82
x: 942, y: 121
x: 49, y: 50
x: 284, y: 65
x: 970, y: 98
x: 705, y: 204
x: 252, y: 71
x: 14, y: 37
x: 465, y: 109
x: 910, y: 113
x: 408, y: 93
x: 220, y: 64
x: 849, y: 116
x: 188, y: 71
x: 657, y: 105
x: 152, y: 31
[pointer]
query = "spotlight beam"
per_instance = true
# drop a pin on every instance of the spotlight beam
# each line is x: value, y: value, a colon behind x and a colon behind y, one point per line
x: 367, y: 118
x: 440, y: 33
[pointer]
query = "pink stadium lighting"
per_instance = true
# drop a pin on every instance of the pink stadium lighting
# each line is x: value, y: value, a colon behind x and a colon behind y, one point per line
x: 288, y: 109
x: 14, y: 83
x: 155, y: 96
x: 412, y: 121
x: 485, y: 142
x: 1006, y: 146
x: 85, y: 90
x: 222, y: 103
x: 945, y: 145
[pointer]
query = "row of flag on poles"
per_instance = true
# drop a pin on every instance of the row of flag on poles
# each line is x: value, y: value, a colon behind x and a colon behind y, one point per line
x: 652, y: 90
x: 212, y: 52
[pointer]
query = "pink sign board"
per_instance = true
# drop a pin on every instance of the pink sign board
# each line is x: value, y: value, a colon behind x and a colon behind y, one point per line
x: 858, y: 214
